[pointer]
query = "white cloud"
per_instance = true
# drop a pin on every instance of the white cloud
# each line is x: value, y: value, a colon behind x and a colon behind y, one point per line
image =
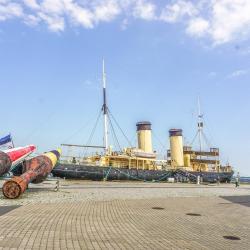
x: 198, y: 27
x: 31, y: 20
x: 31, y: 4
x: 144, y: 10
x: 178, y: 10
x: 56, y: 13
x: 55, y: 7
x: 229, y: 19
x: 55, y: 23
x: 238, y: 73
x: 106, y: 11
x: 79, y: 16
x: 220, y: 21
x: 9, y: 10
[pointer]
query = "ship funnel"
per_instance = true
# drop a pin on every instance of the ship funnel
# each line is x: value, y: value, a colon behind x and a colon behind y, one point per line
x: 144, y: 136
x: 176, y: 147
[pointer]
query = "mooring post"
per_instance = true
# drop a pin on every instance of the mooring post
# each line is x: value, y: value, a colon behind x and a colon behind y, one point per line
x: 57, y: 186
x: 198, y: 180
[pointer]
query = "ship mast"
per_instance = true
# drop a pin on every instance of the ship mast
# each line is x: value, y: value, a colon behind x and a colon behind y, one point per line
x: 200, y: 124
x: 105, y: 108
x: 200, y: 127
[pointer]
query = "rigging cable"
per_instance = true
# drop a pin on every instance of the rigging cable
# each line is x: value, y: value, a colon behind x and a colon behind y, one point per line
x: 206, y: 140
x: 194, y: 138
x: 92, y: 132
x: 163, y: 147
x: 120, y: 128
x: 113, y: 133
x: 78, y: 130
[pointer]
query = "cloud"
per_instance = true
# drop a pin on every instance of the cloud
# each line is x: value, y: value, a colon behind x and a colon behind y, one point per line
x: 88, y: 14
x: 78, y: 15
x: 106, y: 11
x: 177, y: 11
x: 144, y: 10
x: 55, y: 23
x: 9, y: 10
x: 229, y: 19
x: 218, y: 21
x: 221, y: 21
x: 198, y: 27
x: 31, y: 3
x: 31, y: 20
x: 238, y: 73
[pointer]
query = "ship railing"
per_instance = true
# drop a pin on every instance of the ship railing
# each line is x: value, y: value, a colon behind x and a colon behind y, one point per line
x: 72, y: 159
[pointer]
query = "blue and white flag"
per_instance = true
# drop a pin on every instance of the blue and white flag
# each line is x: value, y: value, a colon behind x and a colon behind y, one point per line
x: 6, y: 141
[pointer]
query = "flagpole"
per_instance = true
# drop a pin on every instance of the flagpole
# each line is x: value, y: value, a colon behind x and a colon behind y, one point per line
x: 12, y: 141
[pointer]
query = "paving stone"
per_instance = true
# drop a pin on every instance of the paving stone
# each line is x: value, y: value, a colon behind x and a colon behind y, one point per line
x: 123, y: 223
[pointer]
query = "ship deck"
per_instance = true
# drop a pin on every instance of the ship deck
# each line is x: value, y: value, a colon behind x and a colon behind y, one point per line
x: 126, y: 215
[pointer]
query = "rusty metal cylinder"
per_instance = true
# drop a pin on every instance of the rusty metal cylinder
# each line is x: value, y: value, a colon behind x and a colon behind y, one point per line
x: 36, y: 171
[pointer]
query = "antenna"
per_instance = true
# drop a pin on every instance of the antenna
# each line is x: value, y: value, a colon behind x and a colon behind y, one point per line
x: 105, y: 108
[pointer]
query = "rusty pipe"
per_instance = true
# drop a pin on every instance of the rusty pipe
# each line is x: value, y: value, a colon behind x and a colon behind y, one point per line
x: 37, y: 170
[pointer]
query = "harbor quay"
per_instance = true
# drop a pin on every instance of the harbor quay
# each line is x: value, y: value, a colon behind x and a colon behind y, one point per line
x: 126, y: 215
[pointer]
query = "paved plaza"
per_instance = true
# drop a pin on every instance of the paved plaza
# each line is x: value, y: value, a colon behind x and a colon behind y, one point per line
x: 160, y: 216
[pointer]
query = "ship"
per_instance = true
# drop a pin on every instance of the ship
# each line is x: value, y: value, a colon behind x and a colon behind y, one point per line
x: 141, y: 162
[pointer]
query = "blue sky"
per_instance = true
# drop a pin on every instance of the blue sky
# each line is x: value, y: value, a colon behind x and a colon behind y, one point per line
x: 160, y: 56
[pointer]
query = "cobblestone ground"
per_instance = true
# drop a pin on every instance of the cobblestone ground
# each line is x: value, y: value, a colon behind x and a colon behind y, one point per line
x: 71, y: 191
x: 148, y: 223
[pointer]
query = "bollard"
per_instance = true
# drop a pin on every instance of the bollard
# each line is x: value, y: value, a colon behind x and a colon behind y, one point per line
x: 198, y: 180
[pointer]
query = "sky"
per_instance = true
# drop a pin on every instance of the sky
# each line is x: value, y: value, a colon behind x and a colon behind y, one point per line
x: 160, y: 57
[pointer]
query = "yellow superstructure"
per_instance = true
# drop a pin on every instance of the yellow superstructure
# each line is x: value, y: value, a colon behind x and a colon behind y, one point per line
x: 187, y: 160
x: 184, y: 157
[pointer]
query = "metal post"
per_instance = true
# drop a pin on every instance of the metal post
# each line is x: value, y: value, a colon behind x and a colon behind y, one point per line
x: 200, y: 128
x: 105, y: 108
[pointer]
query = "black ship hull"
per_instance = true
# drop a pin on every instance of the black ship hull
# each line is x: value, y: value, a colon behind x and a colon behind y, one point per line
x: 98, y: 173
